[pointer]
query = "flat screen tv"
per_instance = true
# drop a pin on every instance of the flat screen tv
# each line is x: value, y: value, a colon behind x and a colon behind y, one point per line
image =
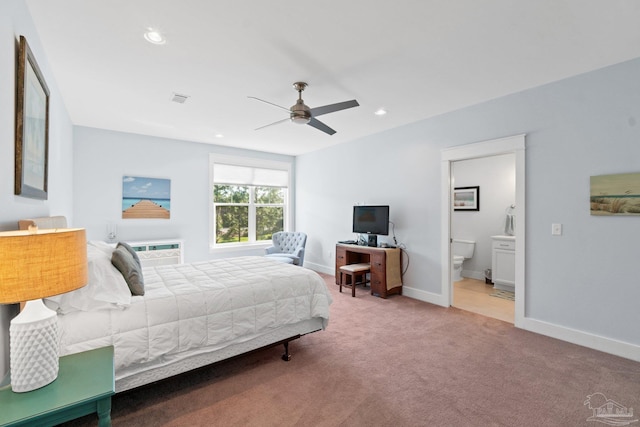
x: 371, y: 220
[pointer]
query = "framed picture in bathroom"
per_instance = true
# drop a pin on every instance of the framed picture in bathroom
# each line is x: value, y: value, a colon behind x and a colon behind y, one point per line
x: 466, y: 198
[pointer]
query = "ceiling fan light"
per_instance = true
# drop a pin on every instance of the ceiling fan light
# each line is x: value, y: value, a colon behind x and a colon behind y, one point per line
x: 154, y: 36
x: 300, y: 120
x: 300, y: 113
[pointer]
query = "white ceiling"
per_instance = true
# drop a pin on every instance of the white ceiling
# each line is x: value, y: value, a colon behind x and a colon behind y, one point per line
x: 416, y: 58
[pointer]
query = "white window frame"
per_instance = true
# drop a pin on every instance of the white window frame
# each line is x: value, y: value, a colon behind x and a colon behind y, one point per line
x: 256, y: 163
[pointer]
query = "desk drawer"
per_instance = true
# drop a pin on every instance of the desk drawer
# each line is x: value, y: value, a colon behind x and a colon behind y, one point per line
x: 341, y: 257
x: 378, y: 264
x: 378, y: 274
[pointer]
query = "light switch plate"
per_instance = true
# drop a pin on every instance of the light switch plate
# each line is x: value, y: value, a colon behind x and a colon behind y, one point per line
x: 556, y: 229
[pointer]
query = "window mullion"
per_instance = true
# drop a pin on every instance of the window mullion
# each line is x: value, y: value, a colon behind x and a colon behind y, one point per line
x: 252, y: 214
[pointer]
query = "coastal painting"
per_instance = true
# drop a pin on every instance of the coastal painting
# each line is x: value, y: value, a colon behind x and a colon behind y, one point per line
x: 615, y: 194
x: 146, y: 197
x: 466, y: 198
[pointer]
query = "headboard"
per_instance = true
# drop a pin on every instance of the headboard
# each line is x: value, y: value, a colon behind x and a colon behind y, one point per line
x: 44, y: 222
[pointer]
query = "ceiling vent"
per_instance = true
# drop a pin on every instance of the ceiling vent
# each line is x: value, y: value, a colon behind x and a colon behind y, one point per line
x: 180, y: 99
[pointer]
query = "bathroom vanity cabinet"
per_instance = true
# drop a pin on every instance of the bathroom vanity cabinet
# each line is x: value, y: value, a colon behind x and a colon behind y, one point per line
x: 503, y: 262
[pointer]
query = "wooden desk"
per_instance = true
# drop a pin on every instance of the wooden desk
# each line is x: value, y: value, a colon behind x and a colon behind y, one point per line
x: 386, y: 266
x: 84, y: 385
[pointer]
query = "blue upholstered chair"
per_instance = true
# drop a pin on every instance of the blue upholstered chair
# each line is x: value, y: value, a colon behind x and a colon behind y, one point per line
x: 288, y: 245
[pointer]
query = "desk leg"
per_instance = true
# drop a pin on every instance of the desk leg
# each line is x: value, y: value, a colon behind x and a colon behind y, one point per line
x: 104, y: 412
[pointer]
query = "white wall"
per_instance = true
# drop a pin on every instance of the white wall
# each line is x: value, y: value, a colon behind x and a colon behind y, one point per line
x: 15, y: 21
x: 585, y: 280
x: 496, y: 177
x: 103, y: 157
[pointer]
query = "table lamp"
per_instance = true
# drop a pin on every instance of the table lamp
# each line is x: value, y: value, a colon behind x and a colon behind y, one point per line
x: 35, y: 264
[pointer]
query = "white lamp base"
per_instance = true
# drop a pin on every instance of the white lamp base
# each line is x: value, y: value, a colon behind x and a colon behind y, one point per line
x: 34, y: 347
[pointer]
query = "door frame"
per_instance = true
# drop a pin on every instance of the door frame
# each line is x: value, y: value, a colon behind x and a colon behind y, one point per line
x: 512, y: 144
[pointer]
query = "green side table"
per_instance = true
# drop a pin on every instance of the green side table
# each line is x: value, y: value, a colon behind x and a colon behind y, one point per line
x: 84, y: 385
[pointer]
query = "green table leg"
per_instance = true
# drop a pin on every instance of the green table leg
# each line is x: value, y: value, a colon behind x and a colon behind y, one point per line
x: 104, y: 412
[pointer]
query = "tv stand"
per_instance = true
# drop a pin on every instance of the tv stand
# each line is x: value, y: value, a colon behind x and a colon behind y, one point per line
x: 386, y: 266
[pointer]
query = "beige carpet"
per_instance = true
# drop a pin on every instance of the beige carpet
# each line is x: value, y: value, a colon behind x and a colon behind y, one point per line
x: 394, y: 362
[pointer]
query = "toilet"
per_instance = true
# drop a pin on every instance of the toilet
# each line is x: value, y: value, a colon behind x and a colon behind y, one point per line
x: 462, y: 249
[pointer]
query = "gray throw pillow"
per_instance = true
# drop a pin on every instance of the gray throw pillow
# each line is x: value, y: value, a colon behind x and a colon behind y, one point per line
x: 124, y: 261
x: 129, y: 249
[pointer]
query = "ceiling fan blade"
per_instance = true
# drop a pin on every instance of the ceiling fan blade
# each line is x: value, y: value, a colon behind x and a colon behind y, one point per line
x: 274, y: 123
x: 318, y: 111
x: 267, y: 102
x: 321, y: 126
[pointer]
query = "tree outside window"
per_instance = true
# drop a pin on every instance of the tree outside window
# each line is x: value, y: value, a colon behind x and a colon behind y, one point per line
x: 247, y: 213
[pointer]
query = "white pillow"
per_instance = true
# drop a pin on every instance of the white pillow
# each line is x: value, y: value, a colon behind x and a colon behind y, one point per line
x: 105, y: 247
x: 106, y: 287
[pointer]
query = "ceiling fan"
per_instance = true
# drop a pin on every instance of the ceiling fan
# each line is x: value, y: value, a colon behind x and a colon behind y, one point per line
x: 302, y: 114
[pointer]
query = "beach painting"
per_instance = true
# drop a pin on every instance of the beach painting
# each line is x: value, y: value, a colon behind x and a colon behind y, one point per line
x: 146, y: 197
x: 615, y: 194
x: 466, y: 198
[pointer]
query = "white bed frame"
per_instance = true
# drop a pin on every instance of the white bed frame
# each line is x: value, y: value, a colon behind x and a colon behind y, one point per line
x: 278, y: 336
x: 160, y: 254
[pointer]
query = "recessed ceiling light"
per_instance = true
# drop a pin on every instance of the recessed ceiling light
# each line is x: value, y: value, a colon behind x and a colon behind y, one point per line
x: 179, y: 98
x: 380, y: 112
x: 219, y: 135
x: 154, y: 36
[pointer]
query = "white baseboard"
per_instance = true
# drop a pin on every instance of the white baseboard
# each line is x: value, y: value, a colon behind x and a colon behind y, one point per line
x: 574, y: 336
x: 425, y: 296
x: 470, y: 274
x: 585, y: 339
x: 319, y: 268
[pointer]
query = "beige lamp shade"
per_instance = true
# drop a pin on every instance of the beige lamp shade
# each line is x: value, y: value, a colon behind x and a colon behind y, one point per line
x: 41, y: 263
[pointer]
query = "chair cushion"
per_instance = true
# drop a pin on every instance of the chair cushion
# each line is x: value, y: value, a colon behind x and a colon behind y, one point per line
x: 356, y: 268
x: 281, y: 258
x: 292, y: 258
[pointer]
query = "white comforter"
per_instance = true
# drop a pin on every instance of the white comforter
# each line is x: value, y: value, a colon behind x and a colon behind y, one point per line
x: 192, y: 308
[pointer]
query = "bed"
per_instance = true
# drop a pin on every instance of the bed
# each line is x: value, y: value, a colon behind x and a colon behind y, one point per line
x: 190, y: 315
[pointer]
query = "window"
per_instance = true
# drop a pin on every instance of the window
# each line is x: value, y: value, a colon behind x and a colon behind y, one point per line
x: 250, y: 200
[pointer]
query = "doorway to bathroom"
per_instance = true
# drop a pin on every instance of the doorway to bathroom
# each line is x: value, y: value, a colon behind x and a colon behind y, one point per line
x: 475, y: 233
x: 473, y: 290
